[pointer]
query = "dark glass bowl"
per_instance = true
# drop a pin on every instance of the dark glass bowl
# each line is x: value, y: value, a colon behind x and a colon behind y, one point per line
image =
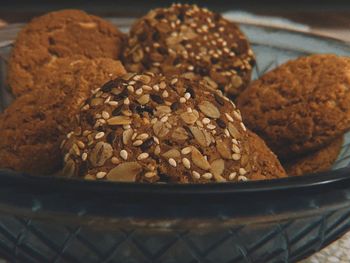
x: 50, y: 219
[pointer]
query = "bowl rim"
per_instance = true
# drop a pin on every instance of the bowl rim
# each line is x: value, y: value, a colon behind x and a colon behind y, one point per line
x: 318, y: 180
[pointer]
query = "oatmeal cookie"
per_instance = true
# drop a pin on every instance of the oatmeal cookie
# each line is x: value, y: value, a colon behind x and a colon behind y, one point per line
x: 267, y: 165
x: 55, y: 35
x: 30, y: 128
x: 185, y: 39
x: 300, y: 106
x: 158, y: 129
x: 319, y: 161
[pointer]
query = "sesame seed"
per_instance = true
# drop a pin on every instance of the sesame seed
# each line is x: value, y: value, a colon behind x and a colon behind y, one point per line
x: 207, y: 176
x: 229, y: 117
x: 113, y: 103
x: 156, y: 87
x: 242, y: 171
x: 146, y: 87
x: 186, y: 163
x: 84, y: 156
x: 196, y: 175
x: 232, y: 176
x: 236, y: 156
x: 126, y: 126
x: 105, y: 115
x: 242, y: 178
x: 243, y: 126
x: 100, y: 175
x: 80, y: 144
x: 173, y: 81
x: 165, y: 94
x: 211, y: 126
x: 139, y: 91
x: 190, y: 67
x: 142, y: 136
x: 70, y: 135
x: 99, y: 135
x: 137, y: 143
x: 206, y: 121
x: 164, y: 119
x: 172, y: 162
x: 234, y: 141
x: 150, y: 174
x: 86, y: 107
x: 227, y: 133
x: 142, y: 156
x: 130, y: 88
x: 237, y: 115
x: 123, y: 154
x: 186, y: 150
x: 156, y: 139
x: 187, y: 95
x: 127, y: 101
x: 182, y: 100
x: 235, y: 148
x: 115, y: 160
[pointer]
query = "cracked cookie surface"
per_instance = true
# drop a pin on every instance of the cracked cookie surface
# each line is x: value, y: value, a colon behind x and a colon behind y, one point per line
x: 300, y: 106
x: 188, y: 40
x: 55, y: 35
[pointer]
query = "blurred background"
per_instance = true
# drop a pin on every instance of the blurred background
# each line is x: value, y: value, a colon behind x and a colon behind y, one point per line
x: 331, y: 17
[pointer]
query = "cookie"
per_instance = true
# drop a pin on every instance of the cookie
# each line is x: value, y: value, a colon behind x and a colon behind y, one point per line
x: 185, y: 39
x: 300, y: 106
x: 158, y: 129
x: 59, y: 34
x: 319, y: 161
x: 31, y: 127
x: 267, y: 165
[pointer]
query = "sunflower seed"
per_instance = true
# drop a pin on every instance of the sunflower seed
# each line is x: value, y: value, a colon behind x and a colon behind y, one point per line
x: 198, y: 135
x: 199, y: 160
x: 188, y: 117
x: 127, y: 134
x: 125, y: 172
x: 119, y: 120
x: 233, y: 131
x: 223, y: 149
x: 100, y: 154
x: 179, y: 134
x: 209, y: 109
x: 217, y: 169
x: 173, y: 153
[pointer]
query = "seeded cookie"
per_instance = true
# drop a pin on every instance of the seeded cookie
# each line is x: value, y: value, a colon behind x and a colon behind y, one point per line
x: 55, y: 35
x: 319, y: 161
x: 300, y: 106
x: 186, y: 39
x: 267, y: 165
x: 158, y: 129
x: 30, y: 128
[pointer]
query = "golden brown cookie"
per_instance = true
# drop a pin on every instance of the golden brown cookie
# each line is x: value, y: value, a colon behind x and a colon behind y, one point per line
x: 59, y: 34
x: 300, y: 106
x: 319, y: 161
x: 30, y: 128
x: 186, y: 39
x: 158, y: 129
x: 267, y: 164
